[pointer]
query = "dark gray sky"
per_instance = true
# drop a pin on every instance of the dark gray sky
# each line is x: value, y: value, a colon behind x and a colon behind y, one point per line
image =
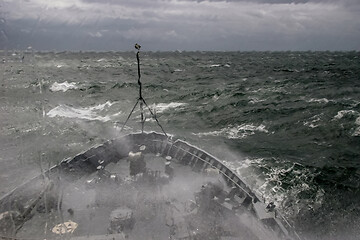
x: 229, y: 25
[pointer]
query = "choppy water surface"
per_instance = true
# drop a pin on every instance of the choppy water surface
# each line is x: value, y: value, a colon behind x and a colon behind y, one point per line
x: 288, y: 123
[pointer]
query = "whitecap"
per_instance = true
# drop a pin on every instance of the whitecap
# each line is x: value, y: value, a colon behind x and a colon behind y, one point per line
x: 254, y: 100
x: 357, y: 130
x: 342, y: 113
x: 56, y: 87
x: 101, y: 60
x: 356, y: 133
x: 178, y: 70
x: 357, y: 121
x: 236, y: 132
x: 311, y: 125
x: 321, y: 100
x: 102, y: 106
x: 312, y: 122
x: 161, y: 107
x: 215, y: 97
x: 86, y: 113
x: 268, y: 184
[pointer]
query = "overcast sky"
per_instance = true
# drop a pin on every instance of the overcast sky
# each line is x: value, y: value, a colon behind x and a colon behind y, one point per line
x: 230, y: 25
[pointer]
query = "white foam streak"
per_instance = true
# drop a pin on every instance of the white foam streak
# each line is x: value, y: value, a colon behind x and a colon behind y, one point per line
x: 254, y: 100
x: 161, y: 107
x: 312, y: 123
x: 321, y: 100
x: 102, y: 60
x: 87, y: 113
x: 236, y: 132
x: 56, y: 87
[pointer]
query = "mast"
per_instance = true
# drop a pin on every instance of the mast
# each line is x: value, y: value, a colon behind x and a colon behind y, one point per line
x: 141, y: 99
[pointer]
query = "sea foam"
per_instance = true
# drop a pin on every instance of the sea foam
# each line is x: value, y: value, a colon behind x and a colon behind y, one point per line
x: 161, y: 107
x: 357, y: 130
x: 343, y: 113
x: 321, y: 100
x: 236, y: 132
x: 313, y: 121
x: 64, y: 86
x: 86, y: 113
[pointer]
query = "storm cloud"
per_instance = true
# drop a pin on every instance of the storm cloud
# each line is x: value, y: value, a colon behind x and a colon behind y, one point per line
x: 230, y: 25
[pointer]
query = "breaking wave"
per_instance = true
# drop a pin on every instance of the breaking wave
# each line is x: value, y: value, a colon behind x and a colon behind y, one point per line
x: 64, y: 86
x: 357, y: 130
x: 351, y: 114
x: 87, y: 113
x: 291, y: 186
x: 313, y: 122
x: 344, y: 113
x: 321, y: 100
x: 161, y: 107
x: 236, y: 132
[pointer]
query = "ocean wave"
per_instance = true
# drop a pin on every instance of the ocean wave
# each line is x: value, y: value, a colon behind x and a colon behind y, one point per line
x: 281, y: 182
x: 236, y: 132
x: 254, y: 100
x: 64, y: 86
x: 53, y: 63
x: 290, y: 185
x: 357, y: 121
x: 319, y: 100
x: 312, y: 122
x: 161, y: 107
x: 343, y: 113
x: 249, y: 174
x: 87, y: 113
x: 356, y: 133
x: 218, y: 65
x: 269, y: 90
x: 354, y: 103
x: 101, y: 60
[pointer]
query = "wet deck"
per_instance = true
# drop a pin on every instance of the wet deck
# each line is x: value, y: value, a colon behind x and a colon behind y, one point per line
x: 162, y: 208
